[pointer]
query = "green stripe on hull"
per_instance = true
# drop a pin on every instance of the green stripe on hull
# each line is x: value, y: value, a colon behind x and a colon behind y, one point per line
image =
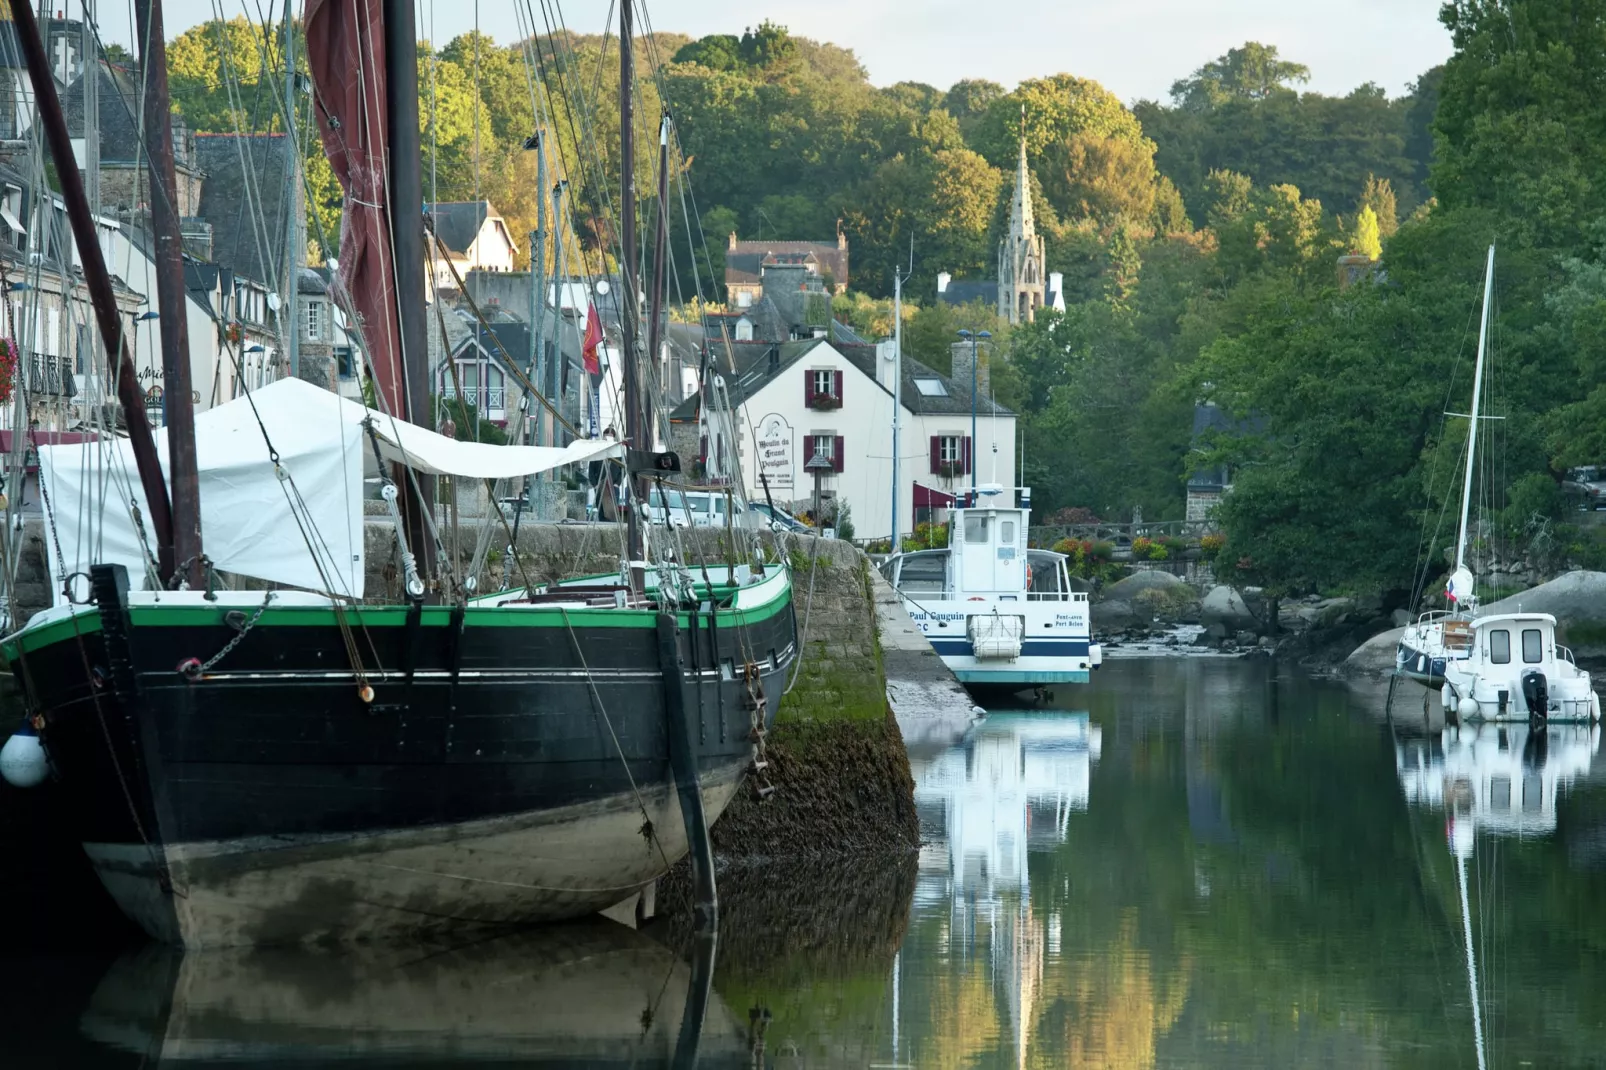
x: 87, y: 620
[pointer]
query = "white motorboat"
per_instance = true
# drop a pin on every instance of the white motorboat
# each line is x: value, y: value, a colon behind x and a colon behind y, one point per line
x: 1513, y: 670
x: 997, y: 613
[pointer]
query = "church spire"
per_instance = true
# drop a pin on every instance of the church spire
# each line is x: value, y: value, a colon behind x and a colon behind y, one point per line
x: 1020, y: 255
x: 1022, y: 224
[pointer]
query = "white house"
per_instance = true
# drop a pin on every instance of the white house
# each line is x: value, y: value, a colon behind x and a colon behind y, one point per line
x: 817, y: 397
x: 469, y: 236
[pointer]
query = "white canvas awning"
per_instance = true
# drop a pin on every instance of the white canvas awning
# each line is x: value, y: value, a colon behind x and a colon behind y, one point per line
x: 305, y: 530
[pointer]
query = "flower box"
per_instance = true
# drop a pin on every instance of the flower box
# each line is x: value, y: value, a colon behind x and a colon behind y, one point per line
x: 825, y: 402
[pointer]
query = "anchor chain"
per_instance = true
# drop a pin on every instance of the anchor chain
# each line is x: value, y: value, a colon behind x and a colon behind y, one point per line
x: 194, y: 669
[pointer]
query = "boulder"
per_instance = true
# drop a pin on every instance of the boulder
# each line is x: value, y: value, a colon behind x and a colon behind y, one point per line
x: 1400, y: 618
x: 1112, y: 615
x: 1578, y: 602
x: 1377, y: 655
x: 1128, y: 589
x: 1225, y: 606
x: 1245, y: 638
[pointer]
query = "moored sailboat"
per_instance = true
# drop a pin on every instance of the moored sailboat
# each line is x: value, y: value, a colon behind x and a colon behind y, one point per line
x: 254, y: 767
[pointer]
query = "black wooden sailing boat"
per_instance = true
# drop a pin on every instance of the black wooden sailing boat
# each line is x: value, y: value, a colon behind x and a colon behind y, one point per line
x: 250, y: 768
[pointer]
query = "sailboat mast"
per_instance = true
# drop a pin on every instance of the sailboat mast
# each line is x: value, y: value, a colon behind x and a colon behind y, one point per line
x: 170, y: 295
x: 1472, y: 432
x: 406, y: 189
x: 98, y: 281
x: 637, y: 429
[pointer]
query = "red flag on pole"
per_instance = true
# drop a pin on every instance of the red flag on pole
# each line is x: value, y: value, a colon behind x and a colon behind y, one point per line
x: 593, y: 339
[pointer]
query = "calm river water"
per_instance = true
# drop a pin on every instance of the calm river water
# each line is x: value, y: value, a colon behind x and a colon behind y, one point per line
x: 1188, y: 863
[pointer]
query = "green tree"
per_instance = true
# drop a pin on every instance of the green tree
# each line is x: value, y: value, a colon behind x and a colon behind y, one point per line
x: 1101, y: 178
x: 1056, y: 108
x: 1251, y: 72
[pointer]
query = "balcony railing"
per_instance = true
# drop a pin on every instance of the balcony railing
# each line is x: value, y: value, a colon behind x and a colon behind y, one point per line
x: 494, y: 399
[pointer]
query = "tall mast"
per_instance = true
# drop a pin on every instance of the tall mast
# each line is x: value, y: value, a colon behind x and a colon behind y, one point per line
x: 538, y: 294
x: 1472, y: 431
x: 176, y: 387
x: 660, y: 258
x: 91, y: 82
x: 637, y: 429
x: 292, y: 215
x: 406, y: 188
x: 98, y: 281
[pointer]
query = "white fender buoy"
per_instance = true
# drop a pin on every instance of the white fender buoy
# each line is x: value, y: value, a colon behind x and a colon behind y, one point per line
x: 1467, y: 707
x: 23, y: 762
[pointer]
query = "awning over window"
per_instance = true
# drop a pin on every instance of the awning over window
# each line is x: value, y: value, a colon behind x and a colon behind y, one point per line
x: 927, y: 498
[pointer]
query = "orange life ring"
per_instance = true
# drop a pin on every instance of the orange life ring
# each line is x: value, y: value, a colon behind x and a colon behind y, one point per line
x: 1028, y: 577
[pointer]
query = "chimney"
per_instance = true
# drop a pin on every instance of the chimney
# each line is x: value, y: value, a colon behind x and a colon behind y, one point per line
x: 943, y: 279
x: 960, y: 357
x: 1056, y: 281
x: 196, y: 237
x: 731, y: 248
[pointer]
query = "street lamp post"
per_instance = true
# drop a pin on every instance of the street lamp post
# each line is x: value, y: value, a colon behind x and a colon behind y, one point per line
x: 973, y: 339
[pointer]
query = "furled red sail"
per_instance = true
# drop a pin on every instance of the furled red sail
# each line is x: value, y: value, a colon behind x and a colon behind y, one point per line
x: 346, y: 55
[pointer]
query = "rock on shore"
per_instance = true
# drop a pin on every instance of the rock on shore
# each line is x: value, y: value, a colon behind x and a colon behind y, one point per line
x: 1377, y: 655
x: 1578, y: 602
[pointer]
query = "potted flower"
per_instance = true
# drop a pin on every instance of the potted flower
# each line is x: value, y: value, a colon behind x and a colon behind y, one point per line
x: 825, y: 402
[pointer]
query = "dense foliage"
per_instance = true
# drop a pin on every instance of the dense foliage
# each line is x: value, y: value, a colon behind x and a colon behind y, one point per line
x: 1199, y: 238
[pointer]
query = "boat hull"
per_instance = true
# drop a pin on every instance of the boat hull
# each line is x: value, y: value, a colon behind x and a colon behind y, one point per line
x: 1414, y: 664
x: 506, y: 770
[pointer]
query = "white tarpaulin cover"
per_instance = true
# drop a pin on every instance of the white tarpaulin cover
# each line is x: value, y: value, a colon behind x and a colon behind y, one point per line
x: 304, y: 531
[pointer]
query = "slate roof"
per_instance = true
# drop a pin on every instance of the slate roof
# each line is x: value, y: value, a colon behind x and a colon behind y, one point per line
x: 744, y: 260
x: 248, y: 219
x: 969, y: 291
x: 457, y: 223
x: 119, y: 98
x: 755, y: 370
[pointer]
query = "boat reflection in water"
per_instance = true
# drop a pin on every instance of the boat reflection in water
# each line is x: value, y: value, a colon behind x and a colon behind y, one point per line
x: 592, y: 994
x: 1011, y: 786
x: 1499, y: 778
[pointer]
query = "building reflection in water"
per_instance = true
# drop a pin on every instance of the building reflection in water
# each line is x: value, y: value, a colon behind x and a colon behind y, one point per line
x: 1010, y: 787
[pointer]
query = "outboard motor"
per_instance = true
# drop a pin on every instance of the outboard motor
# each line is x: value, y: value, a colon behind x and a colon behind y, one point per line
x: 1536, y: 693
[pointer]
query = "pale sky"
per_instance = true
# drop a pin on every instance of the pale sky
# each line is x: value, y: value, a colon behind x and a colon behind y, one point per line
x: 1137, y: 48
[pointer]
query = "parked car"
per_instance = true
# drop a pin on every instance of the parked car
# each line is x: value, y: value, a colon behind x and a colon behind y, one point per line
x: 1586, y: 484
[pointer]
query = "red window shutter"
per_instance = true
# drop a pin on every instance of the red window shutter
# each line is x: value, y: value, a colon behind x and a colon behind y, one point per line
x: 808, y: 449
x: 808, y: 388
x: 936, y: 454
x: 836, y: 384
x: 837, y: 452
x: 965, y: 454
x: 719, y: 447
x: 702, y: 448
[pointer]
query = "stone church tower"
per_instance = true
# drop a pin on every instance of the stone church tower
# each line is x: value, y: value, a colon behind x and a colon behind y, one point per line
x: 1021, y: 267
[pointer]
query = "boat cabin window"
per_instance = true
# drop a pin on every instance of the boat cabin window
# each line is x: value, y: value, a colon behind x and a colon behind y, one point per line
x: 1533, y: 646
x: 1500, y: 646
x: 1500, y: 793
x: 1533, y: 793
x: 976, y: 528
x: 1048, y: 583
x: 923, y: 574
x: 1006, y: 533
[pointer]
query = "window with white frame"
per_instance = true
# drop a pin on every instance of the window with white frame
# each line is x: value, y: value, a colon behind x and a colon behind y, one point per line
x: 950, y: 448
x: 824, y: 444
x: 824, y: 382
x: 314, y: 320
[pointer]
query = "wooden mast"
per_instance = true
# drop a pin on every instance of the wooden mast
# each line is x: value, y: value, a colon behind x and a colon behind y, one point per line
x: 406, y: 182
x: 98, y: 281
x: 638, y: 424
x: 176, y: 387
